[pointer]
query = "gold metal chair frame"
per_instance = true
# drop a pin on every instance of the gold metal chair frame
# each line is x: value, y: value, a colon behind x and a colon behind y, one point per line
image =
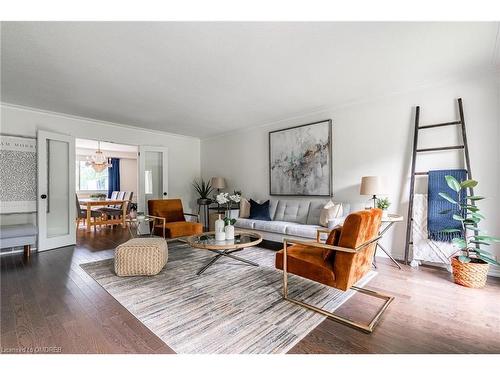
x: 367, y: 328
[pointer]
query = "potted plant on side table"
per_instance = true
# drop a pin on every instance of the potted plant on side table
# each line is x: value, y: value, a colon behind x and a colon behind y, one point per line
x: 203, y: 188
x: 383, y: 204
x: 470, y: 263
x: 98, y: 196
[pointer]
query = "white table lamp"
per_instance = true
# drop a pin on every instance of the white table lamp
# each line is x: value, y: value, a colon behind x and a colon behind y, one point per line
x: 373, y: 185
x: 218, y: 183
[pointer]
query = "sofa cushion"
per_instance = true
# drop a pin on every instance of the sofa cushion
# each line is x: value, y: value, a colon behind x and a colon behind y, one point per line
x: 273, y: 203
x: 17, y: 241
x: 259, y: 211
x: 271, y: 226
x: 314, y: 212
x: 244, y: 208
x: 302, y: 230
x: 292, y: 211
x: 244, y: 223
x: 336, y: 221
x: 329, y: 212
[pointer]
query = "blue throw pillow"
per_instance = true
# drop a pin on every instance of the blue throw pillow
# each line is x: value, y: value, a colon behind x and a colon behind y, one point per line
x: 259, y: 211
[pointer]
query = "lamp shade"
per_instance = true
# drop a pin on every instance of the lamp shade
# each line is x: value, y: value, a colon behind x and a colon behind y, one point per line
x: 373, y: 185
x: 218, y: 182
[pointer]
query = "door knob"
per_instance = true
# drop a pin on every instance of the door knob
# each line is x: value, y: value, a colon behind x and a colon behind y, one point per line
x: 43, y: 196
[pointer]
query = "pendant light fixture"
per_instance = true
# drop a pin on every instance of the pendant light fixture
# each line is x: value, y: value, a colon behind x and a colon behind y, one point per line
x: 98, y: 161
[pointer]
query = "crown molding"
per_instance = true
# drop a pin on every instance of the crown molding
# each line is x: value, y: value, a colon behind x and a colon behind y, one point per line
x: 95, y: 121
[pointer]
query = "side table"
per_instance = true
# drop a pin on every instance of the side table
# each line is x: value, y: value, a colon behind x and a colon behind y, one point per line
x: 389, y: 221
x: 205, y: 203
x: 137, y: 221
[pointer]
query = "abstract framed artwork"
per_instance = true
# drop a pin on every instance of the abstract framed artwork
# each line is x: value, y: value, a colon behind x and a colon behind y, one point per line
x: 300, y: 160
x: 18, y: 168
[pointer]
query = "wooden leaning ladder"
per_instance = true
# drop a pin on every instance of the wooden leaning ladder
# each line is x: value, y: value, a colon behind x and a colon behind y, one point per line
x: 416, y: 151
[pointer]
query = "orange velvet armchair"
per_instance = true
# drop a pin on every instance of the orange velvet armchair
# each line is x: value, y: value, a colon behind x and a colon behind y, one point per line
x: 175, y: 221
x: 343, y: 260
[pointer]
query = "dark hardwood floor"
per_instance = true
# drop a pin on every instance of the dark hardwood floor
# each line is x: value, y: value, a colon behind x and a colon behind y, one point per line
x: 50, y: 304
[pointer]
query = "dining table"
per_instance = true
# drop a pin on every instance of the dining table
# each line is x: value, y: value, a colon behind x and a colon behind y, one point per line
x: 90, y: 203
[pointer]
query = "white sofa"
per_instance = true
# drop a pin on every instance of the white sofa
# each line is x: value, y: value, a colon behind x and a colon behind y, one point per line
x: 291, y: 218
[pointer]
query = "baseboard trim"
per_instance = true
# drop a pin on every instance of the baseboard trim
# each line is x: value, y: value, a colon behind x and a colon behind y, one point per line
x: 493, y: 271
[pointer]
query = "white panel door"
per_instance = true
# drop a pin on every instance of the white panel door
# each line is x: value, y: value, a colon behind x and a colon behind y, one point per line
x: 153, y: 175
x: 56, y: 190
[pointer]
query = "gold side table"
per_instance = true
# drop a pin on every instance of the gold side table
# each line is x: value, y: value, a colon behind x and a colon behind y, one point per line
x: 389, y: 221
x: 137, y: 221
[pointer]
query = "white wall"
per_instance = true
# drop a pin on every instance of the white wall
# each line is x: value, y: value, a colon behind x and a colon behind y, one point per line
x: 375, y: 138
x: 128, y: 176
x: 184, y: 152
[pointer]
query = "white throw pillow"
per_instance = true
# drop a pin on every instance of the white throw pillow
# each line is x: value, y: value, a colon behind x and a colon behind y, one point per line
x: 244, y: 208
x: 329, y: 212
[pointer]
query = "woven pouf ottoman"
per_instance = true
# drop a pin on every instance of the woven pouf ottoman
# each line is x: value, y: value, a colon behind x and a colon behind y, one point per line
x: 141, y: 256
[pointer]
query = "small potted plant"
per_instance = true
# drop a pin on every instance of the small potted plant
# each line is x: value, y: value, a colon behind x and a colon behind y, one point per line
x: 203, y: 188
x: 226, y: 199
x: 383, y: 204
x: 470, y: 262
x: 98, y: 196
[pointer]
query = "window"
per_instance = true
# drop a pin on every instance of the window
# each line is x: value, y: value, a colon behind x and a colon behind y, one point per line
x: 88, y: 179
x: 148, y: 182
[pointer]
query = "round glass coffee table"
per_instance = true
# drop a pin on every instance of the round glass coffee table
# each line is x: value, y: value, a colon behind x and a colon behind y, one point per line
x: 242, y: 239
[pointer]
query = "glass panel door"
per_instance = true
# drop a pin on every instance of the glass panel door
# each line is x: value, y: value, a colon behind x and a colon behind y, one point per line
x: 153, y: 175
x: 56, y: 190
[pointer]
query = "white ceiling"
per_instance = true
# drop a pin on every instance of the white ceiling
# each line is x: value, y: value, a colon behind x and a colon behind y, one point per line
x: 202, y: 79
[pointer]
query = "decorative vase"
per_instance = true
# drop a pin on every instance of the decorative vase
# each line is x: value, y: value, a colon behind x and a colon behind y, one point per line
x: 220, y: 235
x: 472, y: 274
x: 229, y: 230
x: 384, y: 213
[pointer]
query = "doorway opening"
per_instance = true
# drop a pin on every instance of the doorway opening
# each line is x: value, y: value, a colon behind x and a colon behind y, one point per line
x: 106, y: 184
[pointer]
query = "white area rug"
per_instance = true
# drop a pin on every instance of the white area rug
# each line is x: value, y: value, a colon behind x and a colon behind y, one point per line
x: 231, y: 308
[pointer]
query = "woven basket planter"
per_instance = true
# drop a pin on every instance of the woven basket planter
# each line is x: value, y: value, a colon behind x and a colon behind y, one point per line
x: 472, y: 275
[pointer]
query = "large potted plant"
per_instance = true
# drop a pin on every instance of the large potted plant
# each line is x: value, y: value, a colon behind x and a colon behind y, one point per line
x: 470, y: 262
x: 203, y: 188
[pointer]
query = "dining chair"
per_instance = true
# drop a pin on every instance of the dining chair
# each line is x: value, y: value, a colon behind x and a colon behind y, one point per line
x: 81, y: 214
x: 117, y: 210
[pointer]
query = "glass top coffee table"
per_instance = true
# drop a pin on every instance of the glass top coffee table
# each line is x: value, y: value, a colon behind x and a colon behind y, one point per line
x: 206, y: 241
